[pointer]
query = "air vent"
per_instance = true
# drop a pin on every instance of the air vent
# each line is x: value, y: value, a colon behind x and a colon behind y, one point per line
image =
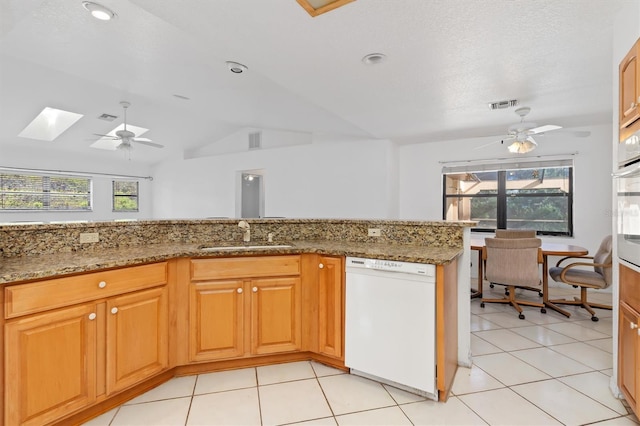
x: 255, y: 140
x: 503, y: 104
x: 107, y: 117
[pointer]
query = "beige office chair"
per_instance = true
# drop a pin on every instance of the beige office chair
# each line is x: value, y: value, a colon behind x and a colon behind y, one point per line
x: 513, y: 262
x: 598, y: 275
x: 518, y: 233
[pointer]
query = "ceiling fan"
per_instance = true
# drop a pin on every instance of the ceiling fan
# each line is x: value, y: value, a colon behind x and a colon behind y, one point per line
x: 522, y: 133
x: 126, y: 137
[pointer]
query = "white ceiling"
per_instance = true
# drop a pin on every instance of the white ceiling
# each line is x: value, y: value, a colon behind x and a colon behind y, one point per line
x: 446, y: 60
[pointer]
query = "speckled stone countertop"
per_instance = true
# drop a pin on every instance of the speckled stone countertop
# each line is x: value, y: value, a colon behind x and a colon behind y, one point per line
x: 24, y: 268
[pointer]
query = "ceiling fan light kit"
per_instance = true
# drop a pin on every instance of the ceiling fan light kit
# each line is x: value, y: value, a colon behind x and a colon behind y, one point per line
x: 99, y: 11
x: 522, y: 147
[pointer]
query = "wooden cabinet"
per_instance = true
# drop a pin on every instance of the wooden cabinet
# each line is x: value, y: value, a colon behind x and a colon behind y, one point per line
x: 50, y: 364
x: 61, y: 360
x: 629, y: 102
x: 629, y: 337
x: 244, y: 306
x: 331, y: 306
x: 136, y: 337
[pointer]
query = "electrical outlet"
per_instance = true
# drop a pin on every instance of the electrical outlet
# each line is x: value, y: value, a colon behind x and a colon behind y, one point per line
x: 89, y: 237
x: 374, y: 232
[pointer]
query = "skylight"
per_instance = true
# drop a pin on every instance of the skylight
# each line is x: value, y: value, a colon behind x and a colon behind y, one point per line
x: 49, y: 124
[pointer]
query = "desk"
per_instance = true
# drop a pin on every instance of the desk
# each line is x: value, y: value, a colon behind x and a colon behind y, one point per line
x: 548, y: 249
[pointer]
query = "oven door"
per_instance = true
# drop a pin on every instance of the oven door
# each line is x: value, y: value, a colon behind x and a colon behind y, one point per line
x: 628, y: 198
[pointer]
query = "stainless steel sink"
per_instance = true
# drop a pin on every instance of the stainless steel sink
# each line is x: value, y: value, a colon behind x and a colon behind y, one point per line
x: 243, y: 247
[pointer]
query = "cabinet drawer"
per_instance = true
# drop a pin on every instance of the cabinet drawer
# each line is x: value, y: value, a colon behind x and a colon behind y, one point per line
x: 630, y: 287
x: 44, y: 295
x: 244, y: 267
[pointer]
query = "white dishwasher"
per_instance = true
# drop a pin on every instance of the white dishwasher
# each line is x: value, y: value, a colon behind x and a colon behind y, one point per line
x: 391, y: 322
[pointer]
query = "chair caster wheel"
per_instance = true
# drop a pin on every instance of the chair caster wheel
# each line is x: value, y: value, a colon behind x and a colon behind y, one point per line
x: 543, y: 310
x: 506, y: 292
x: 521, y: 316
x: 491, y: 285
x: 540, y: 293
x: 595, y: 319
x: 482, y: 305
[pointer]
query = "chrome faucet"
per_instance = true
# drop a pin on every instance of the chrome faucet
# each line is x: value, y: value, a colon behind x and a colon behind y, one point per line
x: 246, y: 237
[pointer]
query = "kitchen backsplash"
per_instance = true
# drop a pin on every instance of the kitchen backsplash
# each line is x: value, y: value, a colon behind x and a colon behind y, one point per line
x: 34, y: 239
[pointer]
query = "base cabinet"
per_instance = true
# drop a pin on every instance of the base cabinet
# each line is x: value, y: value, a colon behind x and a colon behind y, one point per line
x: 50, y: 364
x: 244, y: 306
x: 62, y: 360
x: 331, y: 306
x: 629, y: 337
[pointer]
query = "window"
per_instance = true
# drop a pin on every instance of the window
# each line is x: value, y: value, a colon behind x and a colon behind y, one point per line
x: 512, y: 196
x: 44, y: 193
x: 125, y: 196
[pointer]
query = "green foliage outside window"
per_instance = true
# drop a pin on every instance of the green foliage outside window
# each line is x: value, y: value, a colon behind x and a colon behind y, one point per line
x: 34, y: 192
x: 125, y: 196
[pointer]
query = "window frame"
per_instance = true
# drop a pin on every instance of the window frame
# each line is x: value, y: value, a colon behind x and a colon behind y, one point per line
x: 503, y: 194
x: 46, y: 192
x: 115, y: 196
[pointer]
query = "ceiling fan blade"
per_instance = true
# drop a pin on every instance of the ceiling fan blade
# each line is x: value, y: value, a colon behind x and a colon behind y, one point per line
x: 144, y: 142
x: 115, y: 138
x: 542, y: 129
x: 503, y: 138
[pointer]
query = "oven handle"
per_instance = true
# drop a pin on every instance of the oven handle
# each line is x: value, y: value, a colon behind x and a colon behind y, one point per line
x: 635, y: 170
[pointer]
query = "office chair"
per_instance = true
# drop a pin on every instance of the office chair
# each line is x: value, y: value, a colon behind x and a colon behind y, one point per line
x: 584, y: 274
x: 513, y: 262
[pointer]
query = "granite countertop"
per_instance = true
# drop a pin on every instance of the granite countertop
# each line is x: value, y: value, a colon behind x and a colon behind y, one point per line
x: 24, y: 268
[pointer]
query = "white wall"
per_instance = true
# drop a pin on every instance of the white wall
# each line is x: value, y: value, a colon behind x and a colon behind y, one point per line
x: 102, y: 202
x: 329, y: 178
x: 421, y: 182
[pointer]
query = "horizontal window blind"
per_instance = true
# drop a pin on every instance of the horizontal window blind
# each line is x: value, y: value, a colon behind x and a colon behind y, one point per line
x: 513, y: 165
x: 44, y: 192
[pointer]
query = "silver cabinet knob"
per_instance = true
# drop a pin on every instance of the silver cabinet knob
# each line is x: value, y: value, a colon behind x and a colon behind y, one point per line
x: 239, y: 291
x: 321, y: 266
x: 633, y: 325
x: 255, y: 289
x: 633, y: 104
x: 114, y: 310
x: 102, y: 284
x: 92, y: 316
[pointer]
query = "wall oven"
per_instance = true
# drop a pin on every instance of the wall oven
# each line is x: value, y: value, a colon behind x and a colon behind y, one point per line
x: 628, y: 200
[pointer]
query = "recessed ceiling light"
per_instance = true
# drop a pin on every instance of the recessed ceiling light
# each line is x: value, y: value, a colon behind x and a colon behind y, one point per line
x: 236, y: 67
x: 49, y: 124
x: 374, y: 58
x: 98, y: 11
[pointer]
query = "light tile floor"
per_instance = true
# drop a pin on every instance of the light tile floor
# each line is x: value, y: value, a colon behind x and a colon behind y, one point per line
x: 543, y: 370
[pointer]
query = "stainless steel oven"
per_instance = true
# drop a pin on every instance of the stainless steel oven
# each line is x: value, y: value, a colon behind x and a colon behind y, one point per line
x: 628, y: 198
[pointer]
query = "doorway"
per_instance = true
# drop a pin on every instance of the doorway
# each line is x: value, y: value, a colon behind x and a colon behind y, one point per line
x: 251, y: 194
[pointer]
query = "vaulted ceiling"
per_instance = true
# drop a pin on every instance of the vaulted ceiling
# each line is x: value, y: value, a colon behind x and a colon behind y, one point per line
x: 446, y: 60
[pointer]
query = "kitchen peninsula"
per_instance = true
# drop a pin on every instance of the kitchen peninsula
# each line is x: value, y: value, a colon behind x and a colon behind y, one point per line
x: 145, y: 302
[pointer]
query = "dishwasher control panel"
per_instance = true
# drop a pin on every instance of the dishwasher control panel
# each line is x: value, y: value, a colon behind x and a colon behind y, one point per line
x: 391, y: 266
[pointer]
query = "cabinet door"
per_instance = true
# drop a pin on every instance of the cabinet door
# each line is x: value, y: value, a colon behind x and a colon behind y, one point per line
x: 137, y: 337
x: 216, y: 320
x: 629, y: 354
x: 275, y: 315
x: 330, y: 306
x: 629, y: 88
x: 50, y: 364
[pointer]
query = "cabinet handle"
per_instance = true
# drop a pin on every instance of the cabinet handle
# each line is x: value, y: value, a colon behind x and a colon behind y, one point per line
x: 102, y: 284
x: 114, y: 310
x: 239, y: 291
x: 633, y: 325
x: 92, y: 316
x: 321, y: 266
x: 255, y: 289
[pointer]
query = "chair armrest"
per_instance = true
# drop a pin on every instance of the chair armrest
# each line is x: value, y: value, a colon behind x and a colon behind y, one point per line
x: 573, y: 257
x: 573, y: 265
